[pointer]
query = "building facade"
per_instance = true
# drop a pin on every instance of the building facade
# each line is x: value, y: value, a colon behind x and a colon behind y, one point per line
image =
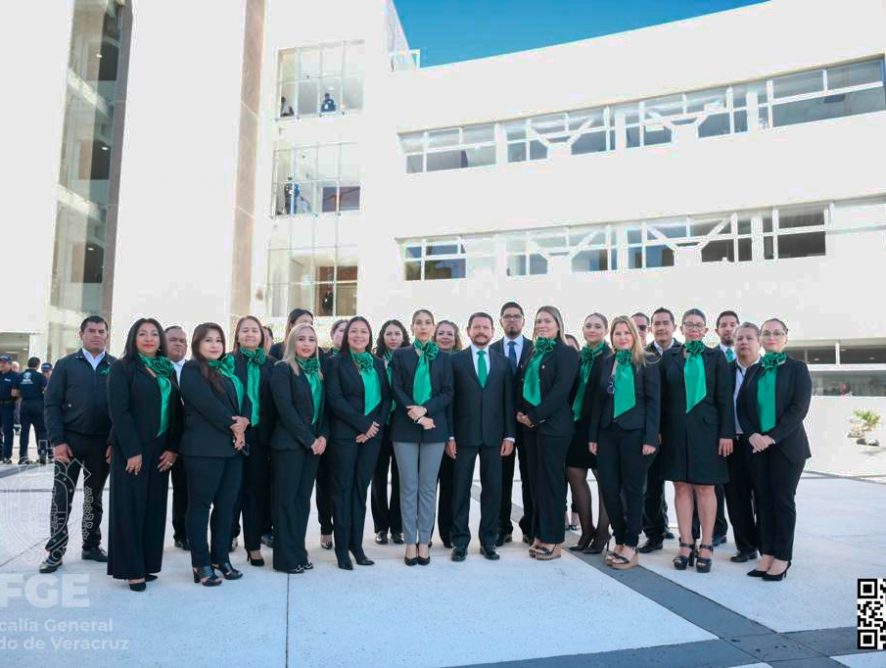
x: 289, y: 158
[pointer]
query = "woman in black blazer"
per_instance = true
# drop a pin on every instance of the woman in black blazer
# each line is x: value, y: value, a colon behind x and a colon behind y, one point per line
x: 253, y: 367
x: 697, y: 432
x: 772, y: 404
x: 386, y: 514
x: 359, y: 399
x: 545, y: 413
x: 144, y: 404
x: 579, y: 459
x: 422, y: 388
x: 213, y: 436
x: 623, y: 434
x: 299, y: 438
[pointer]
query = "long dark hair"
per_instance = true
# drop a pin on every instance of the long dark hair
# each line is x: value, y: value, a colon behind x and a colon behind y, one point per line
x: 130, y: 351
x: 210, y: 374
x: 261, y: 328
x: 381, y: 347
x: 345, y: 347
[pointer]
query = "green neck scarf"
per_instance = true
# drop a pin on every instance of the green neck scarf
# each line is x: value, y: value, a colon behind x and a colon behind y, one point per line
x: 254, y: 360
x: 625, y: 397
x: 693, y: 374
x: 371, y: 387
x: 163, y: 370
x: 588, y: 356
x: 421, y: 384
x: 311, y: 368
x: 766, y: 389
x: 333, y: 351
x: 225, y: 366
x: 388, y: 357
x: 531, y: 383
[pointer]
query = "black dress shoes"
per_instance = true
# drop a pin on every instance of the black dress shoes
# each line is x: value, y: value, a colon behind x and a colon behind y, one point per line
x: 50, y: 565
x: 489, y: 553
x: 268, y: 539
x: 137, y: 586
x: 651, y: 545
x: 95, y: 554
x: 362, y: 560
x: 150, y: 578
x: 183, y: 544
x: 397, y: 537
x: 668, y: 535
x: 459, y: 554
x: 228, y: 571
x: 718, y: 540
x: 381, y: 537
x: 742, y: 557
x: 345, y: 564
x: 503, y: 538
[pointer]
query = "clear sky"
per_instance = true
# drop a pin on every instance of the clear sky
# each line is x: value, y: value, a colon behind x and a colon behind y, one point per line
x: 451, y: 30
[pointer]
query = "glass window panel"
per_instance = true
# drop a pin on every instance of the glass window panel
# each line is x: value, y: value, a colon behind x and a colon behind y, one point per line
x: 872, y: 355
x: 767, y: 224
x: 332, y: 60
x: 744, y: 226
x: 831, y: 106
x: 671, y: 105
x: 331, y: 98
x: 327, y: 161
x: 856, y: 383
x: 478, y: 157
x: 308, y: 198
x: 588, y: 237
x: 768, y: 248
x: 816, y: 355
x: 515, y: 129
x: 516, y: 265
x: 801, y: 245
x: 446, y: 160
x: 537, y: 265
x: 633, y: 137
x: 717, y: 251
x: 744, y: 250
x: 444, y: 248
x: 635, y: 258
x: 288, y: 93
x: 447, y: 137
x: 788, y: 218
x: 349, y: 198
x: 414, y: 163
x: 309, y: 63
x: 591, y: 260
x: 480, y: 245
x: 551, y: 241
x: 306, y: 163
x: 590, y: 142
x: 659, y: 256
x: 515, y: 244
x: 288, y: 63
x: 703, y: 228
x: 345, y: 273
x: 578, y: 118
x: 352, y: 93
x: 537, y: 150
x: 670, y: 230
x: 706, y: 100
x: 481, y: 265
x: 345, y: 299
x: 412, y: 143
x: 631, y: 113
x: 517, y: 152
x: 413, y: 271
x: 354, y: 57
x: 656, y: 136
x: 324, y: 299
x: 551, y: 124
x: 413, y: 251
x: 349, y: 163
x: 714, y: 125
x: 796, y: 84
x: 474, y: 134
x: 444, y: 269
x: 741, y: 121
x: 307, y: 98
x: 855, y: 74
x: 635, y: 235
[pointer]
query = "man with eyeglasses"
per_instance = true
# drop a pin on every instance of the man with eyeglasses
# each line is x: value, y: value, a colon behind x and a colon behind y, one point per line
x: 516, y: 348
x: 641, y: 322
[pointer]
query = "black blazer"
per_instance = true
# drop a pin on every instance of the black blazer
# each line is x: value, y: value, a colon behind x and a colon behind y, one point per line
x: 295, y: 410
x: 525, y: 354
x: 645, y: 413
x: 209, y: 414
x: 276, y: 350
x: 134, y: 404
x: 266, y: 412
x: 654, y: 352
x: 793, y: 393
x: 481, y: 416
x: 345, y: 397
x: 403, y: 429
x: 557, y: 374
x: 584, y: 420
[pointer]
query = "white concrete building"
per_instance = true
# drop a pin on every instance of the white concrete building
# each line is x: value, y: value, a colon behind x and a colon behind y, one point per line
x: 727, y: 161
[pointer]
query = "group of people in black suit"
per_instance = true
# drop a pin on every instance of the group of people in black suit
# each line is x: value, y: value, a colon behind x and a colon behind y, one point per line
x: 254, y: 428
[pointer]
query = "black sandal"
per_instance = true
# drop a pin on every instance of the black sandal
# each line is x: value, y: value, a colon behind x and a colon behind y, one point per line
x: 703, y: 564
x: 682, y: 561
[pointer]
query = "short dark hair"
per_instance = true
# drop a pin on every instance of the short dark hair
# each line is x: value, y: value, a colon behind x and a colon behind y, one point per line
x: 96, y: 319
x: 640, y: 314
x: 726, y: 314
x: 507, y: 305
x: 662, y: 309
x: 481, y: 314
x: 130, y: 351
x: 380, y: 346
x: 33, y: 362
x: 694, y: 311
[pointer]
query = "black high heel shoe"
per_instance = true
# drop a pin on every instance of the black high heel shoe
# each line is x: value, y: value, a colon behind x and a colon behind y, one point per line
x: 206, y: 576
x: 345, y: 564
x: 255, y: 562
x: 703, y: 564
x: 228, y: 571
x: 681, y: 562
x: 138, y: 586
x: 362, y: 560
x: 597, y: 546
x: 756, y: 573
x: 582, y: 543
x: 777, y: 578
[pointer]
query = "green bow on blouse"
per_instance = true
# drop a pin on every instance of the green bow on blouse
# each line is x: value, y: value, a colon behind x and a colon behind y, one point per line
x: 766, y: 389
x: 226, y: 367
x: 163, y: 370
x: 531, y: 382
x: 587, y: 356
x: 311, y: 367
x: 254, y: 360
x: 625, y: 397
x: 693, y: 374
x: 371, y: 387
x: 421, y: 384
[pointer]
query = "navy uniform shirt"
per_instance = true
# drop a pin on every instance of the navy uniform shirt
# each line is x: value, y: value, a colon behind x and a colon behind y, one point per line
x: 7, y: 382
x: 30, y: 385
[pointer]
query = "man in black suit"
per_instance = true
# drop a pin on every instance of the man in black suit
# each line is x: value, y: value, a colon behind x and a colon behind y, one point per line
x: 177, y: 350
x: 655, y: 507
x: 516, y: 348
x: 482, y: 423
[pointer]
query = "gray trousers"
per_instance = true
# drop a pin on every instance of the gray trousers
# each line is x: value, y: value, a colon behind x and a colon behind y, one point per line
x: 418, y: 464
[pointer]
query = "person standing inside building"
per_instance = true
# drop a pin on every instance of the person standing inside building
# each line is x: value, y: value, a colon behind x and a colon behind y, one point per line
x: 8, y: 379
x: 176, y: 351
x: 75, y: 408
x: 772, y: 405
x: 623, y: 433
x: 211, y: 443
x: 579, y: 459
x: 697, y: 431
x: 481, y: 424
x: 299, y: 438
x: 285, y: 108
x: 297, y: 316
x: 448, y: 340
x: 517, y: 349
x: 145, y: 407
x: 422, y: 387
x: 545, y: 413
x: 328, y: 104
x: 655, y: 506
x: 385, y: 512
x: 359, y: 399
x: 29, y: 388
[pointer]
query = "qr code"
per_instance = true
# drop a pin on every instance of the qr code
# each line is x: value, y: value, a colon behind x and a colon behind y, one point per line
x: 871, y: 617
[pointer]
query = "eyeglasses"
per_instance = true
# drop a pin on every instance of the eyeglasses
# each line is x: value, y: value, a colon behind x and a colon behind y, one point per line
x: 777, y: 334
x: 696, y: 326
x: 512, y: 317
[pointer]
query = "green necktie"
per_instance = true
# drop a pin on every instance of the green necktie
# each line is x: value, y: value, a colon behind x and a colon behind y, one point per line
x: 371, y: 387
x: 587, y: 357
x: 482, y: 370
x: 693, y: 374
x: 531, y: 383
x: 421, y: 384
x: 163, y: 370
x: 730, y: 355
x: 766, y: 389
x: 625, y: 396
x: 225, y: 366
x: 390, y: 373
x: 311, y: 367
x: 254, y: 360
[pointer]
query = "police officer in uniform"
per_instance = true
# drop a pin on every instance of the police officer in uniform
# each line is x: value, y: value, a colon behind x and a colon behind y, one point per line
x: 29, y: 388
x: 8, y: 378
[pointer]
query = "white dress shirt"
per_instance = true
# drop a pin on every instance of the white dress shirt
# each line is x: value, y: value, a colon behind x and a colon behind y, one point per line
x: 178, y: 369
x: 94, y: 361
x: 659, y: 348
x: 740, y: 372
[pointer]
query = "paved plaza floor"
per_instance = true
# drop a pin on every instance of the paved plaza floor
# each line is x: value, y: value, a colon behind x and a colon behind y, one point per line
x: 515, y: 612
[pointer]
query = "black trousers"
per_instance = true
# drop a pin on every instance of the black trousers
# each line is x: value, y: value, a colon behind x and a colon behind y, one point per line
x: 89, y: 455
x: 490, y: 493
x: 179, y: 500
x: 254, y: 500
x: 386, y: 514
x: 622, y: 468
x: 655, y: 506
x: 444, y: 499
x: 775, y: 479
x: 740, y: 497
x: 508, y: 464
x: 137, y: 515
x: 294, y: 474
x: 547, y: 476
x: 352, y: 465
x: 212, y: 482
x: 7, y: 427
x: 721, y: 526
x: 32, y: 414
x: 324, y: 494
